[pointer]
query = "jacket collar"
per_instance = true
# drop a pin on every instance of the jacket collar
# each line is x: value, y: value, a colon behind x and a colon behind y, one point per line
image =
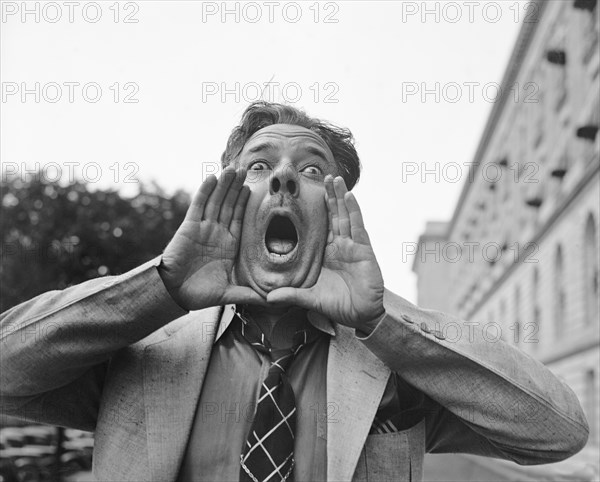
x: 319, y: 321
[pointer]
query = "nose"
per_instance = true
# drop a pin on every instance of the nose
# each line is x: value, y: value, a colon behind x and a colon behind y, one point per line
x: 284, y: 181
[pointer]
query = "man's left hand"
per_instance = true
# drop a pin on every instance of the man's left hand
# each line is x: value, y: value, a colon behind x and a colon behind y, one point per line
x: 349, y: 289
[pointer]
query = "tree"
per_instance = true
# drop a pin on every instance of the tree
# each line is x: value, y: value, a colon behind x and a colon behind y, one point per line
x: 55, y: 236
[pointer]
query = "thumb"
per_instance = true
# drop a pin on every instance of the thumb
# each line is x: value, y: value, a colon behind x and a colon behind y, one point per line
x: 244, y: 296
x: 304, y: 298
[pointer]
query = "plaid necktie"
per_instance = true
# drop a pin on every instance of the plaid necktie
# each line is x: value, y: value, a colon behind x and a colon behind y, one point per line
x: 268, y: 454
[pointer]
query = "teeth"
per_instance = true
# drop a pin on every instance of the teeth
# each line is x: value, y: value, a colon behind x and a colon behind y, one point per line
x: 280, y: 246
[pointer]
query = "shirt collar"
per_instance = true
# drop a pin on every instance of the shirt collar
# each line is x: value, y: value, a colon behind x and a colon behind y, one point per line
x: 317, y: 320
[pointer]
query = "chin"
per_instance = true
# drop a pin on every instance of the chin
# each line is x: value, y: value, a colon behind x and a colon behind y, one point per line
x: 273, y: 282
x: 263, y: 279
x: 264, y: 282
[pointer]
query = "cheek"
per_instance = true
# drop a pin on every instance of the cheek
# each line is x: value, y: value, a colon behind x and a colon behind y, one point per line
x: 258, y: 180
x: 257, y: 194
x: 319, y: 222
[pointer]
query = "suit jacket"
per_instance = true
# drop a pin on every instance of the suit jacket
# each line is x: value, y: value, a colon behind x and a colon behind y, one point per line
x: 119, y: 357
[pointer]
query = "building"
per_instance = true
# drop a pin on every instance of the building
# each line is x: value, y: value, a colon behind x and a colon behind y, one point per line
x: 521, y: 253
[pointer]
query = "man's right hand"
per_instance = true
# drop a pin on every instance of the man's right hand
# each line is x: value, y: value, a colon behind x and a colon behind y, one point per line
x: 197, y: 265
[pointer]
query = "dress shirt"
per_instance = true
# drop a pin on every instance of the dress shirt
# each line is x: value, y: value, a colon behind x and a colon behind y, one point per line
x: 227, y: 405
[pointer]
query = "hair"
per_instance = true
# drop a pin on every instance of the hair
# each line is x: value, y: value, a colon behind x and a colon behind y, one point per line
x: 262, y: 114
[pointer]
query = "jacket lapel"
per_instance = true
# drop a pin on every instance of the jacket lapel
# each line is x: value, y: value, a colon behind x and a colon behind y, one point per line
x: 356, y: 380
x: 174, y: 369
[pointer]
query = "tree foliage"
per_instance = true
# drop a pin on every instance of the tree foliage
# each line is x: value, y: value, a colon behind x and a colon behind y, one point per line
x: 55, y: 236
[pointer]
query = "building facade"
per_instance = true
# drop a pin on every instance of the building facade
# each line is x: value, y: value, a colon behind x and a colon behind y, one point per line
x: 520, y: 255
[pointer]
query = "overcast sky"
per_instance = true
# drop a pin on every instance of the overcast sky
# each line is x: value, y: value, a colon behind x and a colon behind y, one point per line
x: 153, y: 89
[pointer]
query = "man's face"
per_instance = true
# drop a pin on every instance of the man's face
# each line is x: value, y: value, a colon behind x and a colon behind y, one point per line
x: 285, y: 225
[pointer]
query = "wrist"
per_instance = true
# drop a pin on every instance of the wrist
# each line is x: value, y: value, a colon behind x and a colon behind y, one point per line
x: 367, y: 327
x: 169, y: 285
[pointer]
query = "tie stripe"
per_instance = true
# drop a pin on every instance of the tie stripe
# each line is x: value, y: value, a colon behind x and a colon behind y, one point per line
x: 385, y: 426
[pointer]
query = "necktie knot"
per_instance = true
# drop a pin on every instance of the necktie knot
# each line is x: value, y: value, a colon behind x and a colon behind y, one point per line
x: 281, y: 357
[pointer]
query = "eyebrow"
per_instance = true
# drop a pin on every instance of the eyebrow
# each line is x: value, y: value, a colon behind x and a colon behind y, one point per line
x: 316, y: 152
x: 262, y: 146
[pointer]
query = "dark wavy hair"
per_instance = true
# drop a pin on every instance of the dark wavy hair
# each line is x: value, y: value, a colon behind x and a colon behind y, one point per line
x: 261, y: 114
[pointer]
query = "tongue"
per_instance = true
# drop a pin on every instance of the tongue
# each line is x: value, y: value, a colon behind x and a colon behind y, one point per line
x: 279, y: 246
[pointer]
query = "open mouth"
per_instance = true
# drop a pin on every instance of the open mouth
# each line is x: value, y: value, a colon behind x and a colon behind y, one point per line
x: 281, y: 237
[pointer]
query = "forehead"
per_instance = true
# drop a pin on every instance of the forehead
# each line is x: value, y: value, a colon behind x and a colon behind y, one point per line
x: 287, y: 136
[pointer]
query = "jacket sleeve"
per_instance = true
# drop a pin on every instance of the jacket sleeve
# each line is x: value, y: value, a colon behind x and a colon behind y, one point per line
x: 483, y: 396
x: 54, y: 349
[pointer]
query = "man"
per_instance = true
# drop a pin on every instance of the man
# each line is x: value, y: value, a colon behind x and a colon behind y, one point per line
x: 262, y: 344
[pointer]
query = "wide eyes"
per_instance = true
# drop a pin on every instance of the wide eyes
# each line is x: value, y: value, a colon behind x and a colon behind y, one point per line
x: 313, y: 171
x: 259, y: 166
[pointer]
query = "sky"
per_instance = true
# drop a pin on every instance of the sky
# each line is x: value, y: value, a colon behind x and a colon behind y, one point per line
x: 121, y: 92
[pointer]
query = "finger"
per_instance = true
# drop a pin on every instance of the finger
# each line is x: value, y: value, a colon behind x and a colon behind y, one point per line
x: 344, y: 220
x: 357, y: 227
x: 329, y: 222
x: 235, y: 228
x: 302, y: 297
x: 243, y: 295
x: 332, y: 205
x: 228, y: 206
x: 196, y: 209
x: 213, y: 206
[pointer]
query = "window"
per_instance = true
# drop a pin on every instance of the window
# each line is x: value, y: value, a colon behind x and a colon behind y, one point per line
x: 591, y: 403
x: 502, y: 320
x: 495, y: 330
x: 517, y: 321
x: 559, y: 292
x: 538, y: 114
x: 558, y: 70
x: 523, y: 127
x: 590, y: 269
x: 590, y: 30
x: 536, y: 307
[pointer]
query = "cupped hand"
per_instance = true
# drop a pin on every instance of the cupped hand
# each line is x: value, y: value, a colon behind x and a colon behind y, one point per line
x: 197, y: 265
x: 349, y: 289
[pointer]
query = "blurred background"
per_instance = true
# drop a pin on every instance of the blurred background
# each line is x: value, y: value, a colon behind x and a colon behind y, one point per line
x: 476, y: 123
x: 55, y: 236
